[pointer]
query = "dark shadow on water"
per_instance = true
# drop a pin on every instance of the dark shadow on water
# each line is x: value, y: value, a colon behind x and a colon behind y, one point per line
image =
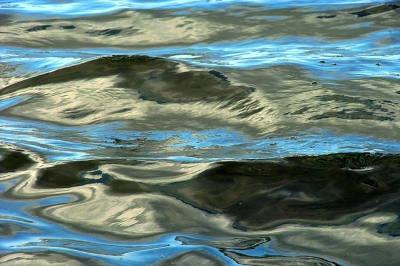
x: 233, y: 243
x: 72, y: 174
x: 13, y: 160
x: 38, y: 28
x: 112, y: 32
x: 68, y: 27
x: 279, y: 260
x: 375, y: 10
x: 260, y: 194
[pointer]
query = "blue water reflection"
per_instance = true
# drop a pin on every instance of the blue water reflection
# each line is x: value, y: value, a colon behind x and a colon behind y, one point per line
x: 62, y: 143
x: 79, y: 8
x: 351, y: 58
x: 35, y: 234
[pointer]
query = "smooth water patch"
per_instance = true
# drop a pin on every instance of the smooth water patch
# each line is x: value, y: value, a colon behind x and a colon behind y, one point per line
x: 10, y: 102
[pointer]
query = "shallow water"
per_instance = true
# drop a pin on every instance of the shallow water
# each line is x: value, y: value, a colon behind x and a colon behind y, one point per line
x: 199, y: 133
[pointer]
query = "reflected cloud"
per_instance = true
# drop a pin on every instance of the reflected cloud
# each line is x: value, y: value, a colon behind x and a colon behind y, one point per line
x: 369, y: 248
x: 151, y: 92
x: 45, y: 258
x: 361, y: 106
x: 136, y: 216
x: 138, y: 28
x: 156, y: 172
x: 200, y: 258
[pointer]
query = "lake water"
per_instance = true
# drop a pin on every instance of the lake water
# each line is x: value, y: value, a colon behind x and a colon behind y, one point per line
x: 199, y: 132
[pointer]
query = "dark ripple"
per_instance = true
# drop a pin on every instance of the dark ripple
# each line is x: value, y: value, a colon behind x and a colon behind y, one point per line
x: 9, y: 230
x: 225, y: 244
x: 392, y: 228
x: 376, y: 10
x: 351, y: 114
x: 38, y: 28
x: 12, y: 160
x: 372, y: 110
x: 259, y: 194
x: 112, y: 32
x: 326, y: 16
x: 77, y: 113
x: 279, y: 260
x: 72, y: 174
x: 68, y: 27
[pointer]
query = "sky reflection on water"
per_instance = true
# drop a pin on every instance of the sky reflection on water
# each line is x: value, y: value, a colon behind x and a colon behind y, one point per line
x: 78, y: 8
x: 59, y: 143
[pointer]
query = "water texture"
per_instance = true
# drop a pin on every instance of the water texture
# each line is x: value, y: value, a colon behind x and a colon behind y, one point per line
x: 199, y: 132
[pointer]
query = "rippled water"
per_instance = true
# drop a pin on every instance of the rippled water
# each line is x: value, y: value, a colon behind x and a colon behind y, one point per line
x: 199, y: 133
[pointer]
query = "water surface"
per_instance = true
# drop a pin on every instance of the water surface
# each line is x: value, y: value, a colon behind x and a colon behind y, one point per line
x: 199, y: 133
